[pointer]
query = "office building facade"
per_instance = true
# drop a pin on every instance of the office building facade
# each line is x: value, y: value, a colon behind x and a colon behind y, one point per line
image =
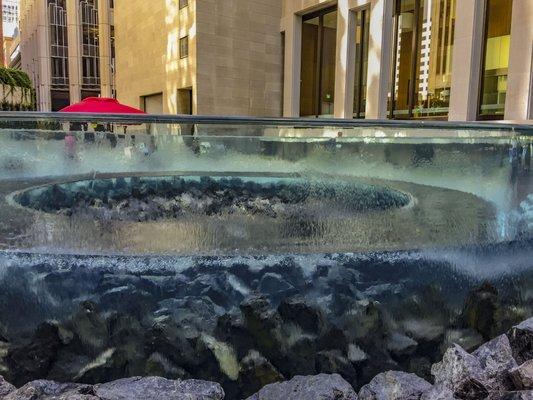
x: 409, y: 59
x: 67, y: 49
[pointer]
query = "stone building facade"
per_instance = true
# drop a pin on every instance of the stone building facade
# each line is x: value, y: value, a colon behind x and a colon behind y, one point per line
x: 435, y: 59
x: 67, y: 49
x: 403, y: 59
x: 200, y: 56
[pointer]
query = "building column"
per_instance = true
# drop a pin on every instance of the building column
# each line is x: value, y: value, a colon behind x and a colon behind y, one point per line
x: 74, y: 50
x: 293, y: 60
x: 42, y: 73
x: 467, y: 58
x: 379, y: 59
x: 519, y: 97
x: 345, y: 66
x: 104, y: 31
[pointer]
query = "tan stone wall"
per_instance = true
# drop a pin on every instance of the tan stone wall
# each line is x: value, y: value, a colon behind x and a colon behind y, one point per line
x: 235, y: 54
x: 34, y: 48
x: 147, y: 50
x: 240, y: 56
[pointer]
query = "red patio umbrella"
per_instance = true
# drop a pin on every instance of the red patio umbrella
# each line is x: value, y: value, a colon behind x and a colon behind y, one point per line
x: 101, y: 105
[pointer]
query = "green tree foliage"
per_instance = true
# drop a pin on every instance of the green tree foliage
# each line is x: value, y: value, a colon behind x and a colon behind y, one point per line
x: 15, y: 79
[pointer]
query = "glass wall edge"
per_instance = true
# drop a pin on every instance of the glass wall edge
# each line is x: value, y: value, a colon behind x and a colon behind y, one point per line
x: 132, y: 119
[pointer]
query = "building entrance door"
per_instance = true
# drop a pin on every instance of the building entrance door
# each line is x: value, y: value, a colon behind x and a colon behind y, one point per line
x: 317, y: 85
x: 422, y: 58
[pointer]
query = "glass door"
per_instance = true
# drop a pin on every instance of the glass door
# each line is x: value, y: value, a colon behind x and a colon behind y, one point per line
x: 319, y: 46
x: 496, y: 45
x: 422, y: 58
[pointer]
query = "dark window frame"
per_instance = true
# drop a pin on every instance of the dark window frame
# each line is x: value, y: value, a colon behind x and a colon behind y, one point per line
x: 184, y: 54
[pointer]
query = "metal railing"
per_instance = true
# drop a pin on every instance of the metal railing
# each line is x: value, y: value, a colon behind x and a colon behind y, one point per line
x: 132, y: 119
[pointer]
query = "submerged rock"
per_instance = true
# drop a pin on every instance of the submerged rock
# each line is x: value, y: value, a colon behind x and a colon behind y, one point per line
x: 323, y: 387
x: 481, y: 310
x: 33, y: 361
x: 264, y: 325
x: 401, y: 345
x: 394, y: 385
x: 334, y: 362
x: 297, y: 310
x: 257, y: 372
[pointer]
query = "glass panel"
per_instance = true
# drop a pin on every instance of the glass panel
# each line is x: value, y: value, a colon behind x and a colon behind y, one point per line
x: 404, y: 57
x: 90, y: 44
x: 422, y: 73
x: 58, y: 43
x: 317, y: 81
x: 435, y: 88
x: 362, y: 34
x: 496, y: 57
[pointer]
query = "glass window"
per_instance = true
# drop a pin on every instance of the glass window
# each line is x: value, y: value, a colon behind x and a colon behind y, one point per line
x: 424, y: 37
x: 319, y: 46
x: 495, y: 58
x: 184, y: 47
x: 90, y: 48
x: 362, y: 34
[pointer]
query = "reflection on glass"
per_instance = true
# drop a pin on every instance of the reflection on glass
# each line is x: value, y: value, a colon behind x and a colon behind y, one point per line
x: 319, y: 39
x: 496, y: 58
x: 362, y: 34
x: 424, y: 37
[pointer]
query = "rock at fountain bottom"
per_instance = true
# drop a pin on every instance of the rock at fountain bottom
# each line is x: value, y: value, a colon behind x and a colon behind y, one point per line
x: 501, y: 369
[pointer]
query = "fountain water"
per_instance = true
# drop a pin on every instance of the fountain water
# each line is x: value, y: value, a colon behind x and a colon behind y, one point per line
x: 257, y: 250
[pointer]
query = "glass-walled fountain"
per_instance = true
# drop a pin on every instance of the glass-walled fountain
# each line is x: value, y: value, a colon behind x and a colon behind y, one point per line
x: 248, y: 251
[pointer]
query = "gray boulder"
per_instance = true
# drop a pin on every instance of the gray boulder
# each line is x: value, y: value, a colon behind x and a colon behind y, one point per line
x: 462, y: 373
x: 496, y: 359
x: 5, y: 387
x: 522, y: 376
x: 323, y: 387
x: 519, y: 395
x: 438, y: 392
x: 394, y: 385
x: 49, y: 390
x: 521, y: 340
x: 159, y: 389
